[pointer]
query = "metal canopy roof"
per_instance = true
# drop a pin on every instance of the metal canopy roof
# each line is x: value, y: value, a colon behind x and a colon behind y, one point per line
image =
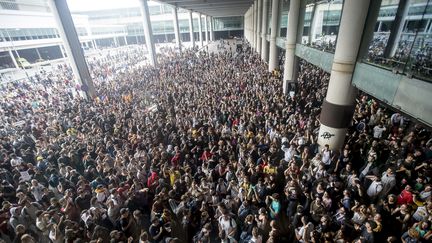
x: 215, y: 8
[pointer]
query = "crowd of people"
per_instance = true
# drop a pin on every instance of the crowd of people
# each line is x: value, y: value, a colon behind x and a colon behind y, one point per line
x: 414, y: 55
x: 411, y: 56
x: 204, y: 147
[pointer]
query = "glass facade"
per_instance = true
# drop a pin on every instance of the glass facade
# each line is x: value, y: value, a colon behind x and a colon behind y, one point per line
x: 28, y: 34
x: 104, y: 30
x: 408, y: 51
x: 321, y: 25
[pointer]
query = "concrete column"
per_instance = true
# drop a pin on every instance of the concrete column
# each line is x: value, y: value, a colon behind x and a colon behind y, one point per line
x: 94, y: 44
x: 252, y: 38
x: 430, y: 28
x: 176, y: 29
x: 38, y: 53
x: 256, y: 29
x: 212, y: 37
x: 125, y: 40
x: 200, y: 30
x: 397, y: 28
x: 116, y: 44
x: 264, y: 17
x: 379, y: 26
x: 247, y: 25
x: 300, y: 28
x: 368, y: 32
x: 259, y: 24
x: 13, y: 59
x: 206, y: 29
x: 273, y: 58
x: 426, y: 26
x: 148, y: 33
x: 191, y: 29
x: 291, y: 39
x: 72, y: 45
x: 312, y: 34
x: 339, y: 104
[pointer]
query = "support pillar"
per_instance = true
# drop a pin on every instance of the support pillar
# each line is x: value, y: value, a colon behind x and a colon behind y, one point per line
x: 191, y: 29
x: 176, y: 29
x: 379, y: 26
x: 200, y: 30
x: 72, y: 45
x: 255, y: 8
x: 264, y: 46
x: 253, y: 27
x: 38, y: 53
x: 212, y: 37
x: 397, y: 28
x: 13, y: 59
x: 368, y: 32
x: 94, y: 44
x: 115, y: 42
x: 62, y: 50
x: 339, y: 104
x: 125, y: 40
x: 148, y: 32
x: 259, y: 24
x: 273, y: 58
x: 314, y: 17
x: 291, y: 39
x: 206, y: 29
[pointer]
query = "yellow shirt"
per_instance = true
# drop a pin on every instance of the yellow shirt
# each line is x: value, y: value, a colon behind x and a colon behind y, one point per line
x: 174, y: 176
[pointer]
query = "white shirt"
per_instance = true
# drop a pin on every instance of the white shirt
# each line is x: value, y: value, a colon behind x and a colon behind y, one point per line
x: 289, y: 153
x: 378, y: 131
x: 374, y: 188
x: 37, y: 191
x: 227, y: 225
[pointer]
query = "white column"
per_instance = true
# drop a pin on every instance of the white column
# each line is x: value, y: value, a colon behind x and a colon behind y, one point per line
x: 259, y: 23
x: 200, y: 30
x: 62, y: 51
x: 148, y: 31
x: 397, y: 28
x: 264, y: 16
x: 13, y: 59
x: 379, y: 26
x: 191, y: 29
x: 247, y: 25
x: 273, y: 59
x: 125, y: 40
x: 176, y: 29
x: 206, y: 29
x: 38, y: 53
x: 94, y: 44
x: 339, y: 104
x: 72, y: 45
x: 312, y: 28
x: 211, y: 29
x: 253, y: 26
x: 291, y: 38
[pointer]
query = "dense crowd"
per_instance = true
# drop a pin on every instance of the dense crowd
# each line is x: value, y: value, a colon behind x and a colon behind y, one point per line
x: 204, y: 148
x: 411, y: 56
x: 416, y: 55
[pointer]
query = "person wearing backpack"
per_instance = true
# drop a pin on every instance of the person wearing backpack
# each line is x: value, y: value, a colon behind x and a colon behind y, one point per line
x: 227, y: 224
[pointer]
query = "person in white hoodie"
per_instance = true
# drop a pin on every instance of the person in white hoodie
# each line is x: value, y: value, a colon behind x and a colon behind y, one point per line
x: 375, y: 187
